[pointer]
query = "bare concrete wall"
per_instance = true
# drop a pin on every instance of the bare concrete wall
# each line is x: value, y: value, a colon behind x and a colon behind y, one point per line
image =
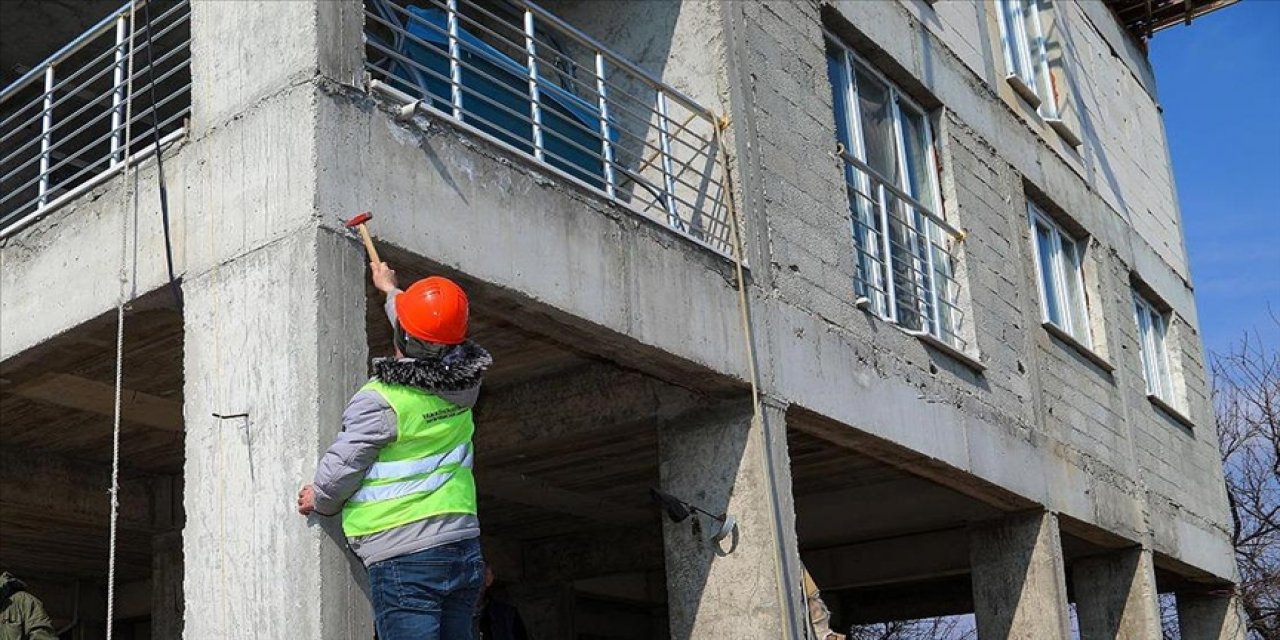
x: 1040, y: 421
x: 1072, y: 430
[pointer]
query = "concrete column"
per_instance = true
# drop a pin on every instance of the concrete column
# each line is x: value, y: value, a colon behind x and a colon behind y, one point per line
x: 1116, y: 596
x: 246, y: 53
x: 717, y: 462
x: 166, y: 585
x: 1019, y: 584
x: 277, y: 333
x: 1210, y: 617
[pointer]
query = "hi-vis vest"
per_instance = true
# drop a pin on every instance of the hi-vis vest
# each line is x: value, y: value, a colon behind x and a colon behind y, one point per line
x: 425, y: 472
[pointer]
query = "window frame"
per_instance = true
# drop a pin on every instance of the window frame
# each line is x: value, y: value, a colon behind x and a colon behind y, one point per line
x: 938, y: 320
x: 1071, y: 312
x: 1153, y: 348
x: 1026, y: 55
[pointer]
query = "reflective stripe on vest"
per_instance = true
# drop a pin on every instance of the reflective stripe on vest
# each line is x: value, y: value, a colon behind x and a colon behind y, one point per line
x: 461, y: 456
x: 425, y: 472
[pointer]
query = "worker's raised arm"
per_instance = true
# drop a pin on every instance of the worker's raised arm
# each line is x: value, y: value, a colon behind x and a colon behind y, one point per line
x: 368, y: 425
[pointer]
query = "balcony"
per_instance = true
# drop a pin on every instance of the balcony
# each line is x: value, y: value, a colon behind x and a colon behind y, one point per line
x: 108, y: 98
x: 513, y: 73
x: 905, y: 261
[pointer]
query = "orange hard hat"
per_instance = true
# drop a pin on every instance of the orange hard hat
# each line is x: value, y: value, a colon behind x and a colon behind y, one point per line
x: 434, y: 309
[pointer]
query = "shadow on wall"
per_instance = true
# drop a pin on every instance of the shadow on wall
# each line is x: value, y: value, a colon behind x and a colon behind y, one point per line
x: 1064, y: 56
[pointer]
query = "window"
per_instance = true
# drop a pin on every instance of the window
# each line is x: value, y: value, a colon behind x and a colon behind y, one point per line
x: 903, y: 263
x: 1059, y: 267
x: 1025, y: 53
x: 1152, y: 330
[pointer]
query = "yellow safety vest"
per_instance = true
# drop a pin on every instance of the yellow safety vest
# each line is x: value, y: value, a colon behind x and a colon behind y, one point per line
x: 425, y: 472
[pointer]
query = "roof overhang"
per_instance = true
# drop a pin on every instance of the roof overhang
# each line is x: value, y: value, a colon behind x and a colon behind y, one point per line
x: 1145, y: 17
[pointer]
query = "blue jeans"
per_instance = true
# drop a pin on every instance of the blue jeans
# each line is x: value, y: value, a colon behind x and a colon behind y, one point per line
x: 428, y: 595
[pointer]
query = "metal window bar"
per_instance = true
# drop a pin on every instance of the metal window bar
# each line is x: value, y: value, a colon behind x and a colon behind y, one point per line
x: 905, y: 254
x: 508, y: 111
x: 683, y: 135
x: 603, y: 122
x: 680, y: 135
x: 62, y: 123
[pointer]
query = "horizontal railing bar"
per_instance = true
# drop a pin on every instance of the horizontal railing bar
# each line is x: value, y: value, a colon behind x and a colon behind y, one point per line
x: 520, y: 45
x: 591, y: 43
x: 899, y: 193
x: 102, y: 138
x: 542, y: 79
x: 693, y: 186
x: 527, y: 120
x: 67, y: 138
x: 61, y: 54
x: 103, y: 27
x: 87, y: 186
x: 103, y: 71
x: 106, y: 158
x: 400, y: 96
x: 107, y: 94
x: 634, y: 69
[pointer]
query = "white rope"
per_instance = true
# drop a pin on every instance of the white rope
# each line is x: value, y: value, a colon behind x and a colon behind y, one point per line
x: 120, y: 304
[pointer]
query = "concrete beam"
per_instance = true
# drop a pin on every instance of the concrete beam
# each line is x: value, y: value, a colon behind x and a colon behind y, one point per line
x: 53, y: 487
x: 1019, y: 583
x: 903, y: 601
x: 1211, y: 616
x: 1116, y: 597
x: 592, y: 400
x: 524, y: 489
x: 75, y: 392
x: 600, y: 553
x: 906, y: 558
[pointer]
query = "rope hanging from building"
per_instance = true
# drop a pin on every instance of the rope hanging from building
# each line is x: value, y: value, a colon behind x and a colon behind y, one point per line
x: 128, y: 194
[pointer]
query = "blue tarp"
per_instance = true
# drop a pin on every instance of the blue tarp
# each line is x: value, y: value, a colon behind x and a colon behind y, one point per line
x: 490, y: 78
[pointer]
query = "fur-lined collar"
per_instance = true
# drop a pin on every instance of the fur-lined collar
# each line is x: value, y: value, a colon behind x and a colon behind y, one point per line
x: 459, y: 369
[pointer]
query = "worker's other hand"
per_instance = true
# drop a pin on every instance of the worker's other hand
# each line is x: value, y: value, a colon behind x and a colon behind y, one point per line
x: 384, y: 277
x: 306, y: 500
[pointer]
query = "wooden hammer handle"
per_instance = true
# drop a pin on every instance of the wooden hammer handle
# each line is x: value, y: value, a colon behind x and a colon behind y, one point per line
x: 368, y: 244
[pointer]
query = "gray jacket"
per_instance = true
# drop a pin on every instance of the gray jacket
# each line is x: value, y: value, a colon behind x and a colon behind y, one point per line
x: 369, y: 424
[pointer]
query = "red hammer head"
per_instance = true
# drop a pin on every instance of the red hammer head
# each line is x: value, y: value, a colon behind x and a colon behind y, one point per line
x: 359, y: 220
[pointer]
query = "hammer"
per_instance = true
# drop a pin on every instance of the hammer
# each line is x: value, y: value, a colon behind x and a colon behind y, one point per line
x: 358, y: 223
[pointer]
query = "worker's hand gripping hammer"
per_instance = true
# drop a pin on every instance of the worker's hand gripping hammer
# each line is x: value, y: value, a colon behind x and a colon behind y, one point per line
x: 358, y: 224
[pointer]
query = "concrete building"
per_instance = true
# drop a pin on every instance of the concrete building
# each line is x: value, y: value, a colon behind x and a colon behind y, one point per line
x: 954, y: 366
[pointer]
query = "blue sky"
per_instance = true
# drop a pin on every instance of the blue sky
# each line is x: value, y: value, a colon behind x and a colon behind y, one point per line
x: 1219, y: 83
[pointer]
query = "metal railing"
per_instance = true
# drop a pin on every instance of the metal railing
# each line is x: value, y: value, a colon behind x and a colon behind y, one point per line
x: 62, y: 124
x: 526, y: 79
x: 905, y: 265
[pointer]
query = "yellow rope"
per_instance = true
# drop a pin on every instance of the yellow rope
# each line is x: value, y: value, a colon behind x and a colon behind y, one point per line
x: 781, y: 580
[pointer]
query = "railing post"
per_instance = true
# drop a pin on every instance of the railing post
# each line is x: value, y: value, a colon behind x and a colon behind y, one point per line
x: 606, y: 146
x: 890, y: 287
x: 118, y: 95
x: 535, y: 101
x: 46, y: 136
x: 664, y: 142
x: 455, y: 61
x: 934, y: 315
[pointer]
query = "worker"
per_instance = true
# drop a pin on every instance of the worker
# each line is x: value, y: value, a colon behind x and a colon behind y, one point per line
x: 400, y: 470
x: 496, y: 619
x: 22, y: 615
x: 819, y: 614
